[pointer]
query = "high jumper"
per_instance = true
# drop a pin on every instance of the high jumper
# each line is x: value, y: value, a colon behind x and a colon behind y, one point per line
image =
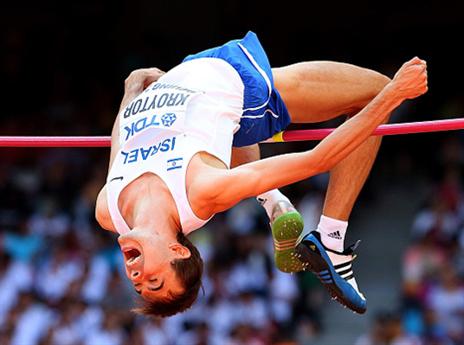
x: 185, y: 147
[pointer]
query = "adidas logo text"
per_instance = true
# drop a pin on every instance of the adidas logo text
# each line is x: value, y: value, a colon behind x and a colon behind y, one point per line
x: 336, y: 235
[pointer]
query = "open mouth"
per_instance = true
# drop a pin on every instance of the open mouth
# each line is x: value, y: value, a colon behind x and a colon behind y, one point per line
x: 132, y: 256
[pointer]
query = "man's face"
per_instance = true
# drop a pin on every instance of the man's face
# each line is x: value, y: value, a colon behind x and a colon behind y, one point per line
x: 147, y: 261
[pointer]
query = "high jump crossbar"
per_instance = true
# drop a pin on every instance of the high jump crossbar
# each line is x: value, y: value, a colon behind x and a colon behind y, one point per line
x: 285, y: 136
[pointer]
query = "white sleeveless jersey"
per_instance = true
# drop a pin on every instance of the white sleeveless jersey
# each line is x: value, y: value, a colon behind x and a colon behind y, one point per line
x: 194, y: 107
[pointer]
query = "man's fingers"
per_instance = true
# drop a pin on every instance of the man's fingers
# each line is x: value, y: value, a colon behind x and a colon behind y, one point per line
x: 152, y: 75
x: 155, y: 70
x: 143, y: 73
x: 416, y: 61
x: 139, y: 79
x: 413, y: 66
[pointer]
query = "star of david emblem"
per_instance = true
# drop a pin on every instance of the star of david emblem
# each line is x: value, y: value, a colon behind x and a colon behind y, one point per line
x: 168, y: 119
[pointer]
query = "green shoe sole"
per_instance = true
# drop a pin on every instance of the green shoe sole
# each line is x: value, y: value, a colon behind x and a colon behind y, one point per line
x: 286, y: 229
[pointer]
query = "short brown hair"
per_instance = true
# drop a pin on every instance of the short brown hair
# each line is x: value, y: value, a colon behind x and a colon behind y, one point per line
x: 189, y: 272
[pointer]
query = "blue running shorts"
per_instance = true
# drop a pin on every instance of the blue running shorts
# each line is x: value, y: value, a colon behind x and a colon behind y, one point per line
x: 264, y: 111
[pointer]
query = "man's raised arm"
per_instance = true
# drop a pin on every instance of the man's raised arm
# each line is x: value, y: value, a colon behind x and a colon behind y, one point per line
x: 231, y: 186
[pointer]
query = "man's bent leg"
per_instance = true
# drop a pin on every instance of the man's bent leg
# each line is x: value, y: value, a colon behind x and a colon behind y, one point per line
x: 319, y: 91
x: 346, y: 181
x: 328, y: 90
x: 286, y: 223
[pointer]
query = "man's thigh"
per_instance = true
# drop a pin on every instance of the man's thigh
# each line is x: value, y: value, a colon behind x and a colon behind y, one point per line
x: 321, y: 90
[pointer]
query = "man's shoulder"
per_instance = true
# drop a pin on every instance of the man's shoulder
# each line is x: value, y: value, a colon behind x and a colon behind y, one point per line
x: 102, y: 213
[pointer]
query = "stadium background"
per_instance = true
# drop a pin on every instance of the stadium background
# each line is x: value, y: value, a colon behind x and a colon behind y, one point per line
x: 62, y: 67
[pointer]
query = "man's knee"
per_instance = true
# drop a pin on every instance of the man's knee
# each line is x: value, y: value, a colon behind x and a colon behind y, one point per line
x: 379, y: 81
x: 371, y: 84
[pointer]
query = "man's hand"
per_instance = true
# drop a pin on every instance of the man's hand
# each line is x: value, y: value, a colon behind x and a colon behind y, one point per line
x: 138, y: 81
x: 411, y: 79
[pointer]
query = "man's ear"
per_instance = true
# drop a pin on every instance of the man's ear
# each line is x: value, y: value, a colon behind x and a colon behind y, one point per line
x: 181, y: 252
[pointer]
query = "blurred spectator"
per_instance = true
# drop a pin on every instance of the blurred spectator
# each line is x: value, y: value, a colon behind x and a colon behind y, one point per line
x: 440, y: 220
x: 66, y: 330
x: 152, y: 333
x: 387, y: 329
x: 48, y: 221
x: 246, y: 334
x: 446, y: 300
x: 307, y: 330
x: 33, y: 321
x: 21, y: 245
x: 57, y: 273
x: 110, y: 333
x: 283, y: 294
x: 422, y: 261
x: 96, y: 279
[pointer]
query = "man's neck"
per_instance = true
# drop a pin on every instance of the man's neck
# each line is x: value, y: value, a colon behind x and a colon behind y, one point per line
x: 149, y: 204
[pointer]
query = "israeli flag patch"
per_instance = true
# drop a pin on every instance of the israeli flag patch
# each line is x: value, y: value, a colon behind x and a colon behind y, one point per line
x: 174, y: 163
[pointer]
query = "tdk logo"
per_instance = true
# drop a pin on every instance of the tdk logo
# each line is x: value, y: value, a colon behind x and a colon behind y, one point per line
x: 168, y: 119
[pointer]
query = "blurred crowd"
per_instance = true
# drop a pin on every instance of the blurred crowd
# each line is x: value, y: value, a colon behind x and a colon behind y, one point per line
x: 433, y: 268
x: 431, y: 303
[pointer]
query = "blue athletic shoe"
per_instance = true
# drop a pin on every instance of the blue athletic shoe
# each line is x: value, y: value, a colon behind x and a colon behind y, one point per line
x: 338, y: 279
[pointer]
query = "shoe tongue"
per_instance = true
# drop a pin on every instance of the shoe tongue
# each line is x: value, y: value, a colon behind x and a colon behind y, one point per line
x: 350, y: 250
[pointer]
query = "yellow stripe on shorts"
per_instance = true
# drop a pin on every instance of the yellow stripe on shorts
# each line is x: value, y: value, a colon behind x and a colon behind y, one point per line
x: 278, y: 137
